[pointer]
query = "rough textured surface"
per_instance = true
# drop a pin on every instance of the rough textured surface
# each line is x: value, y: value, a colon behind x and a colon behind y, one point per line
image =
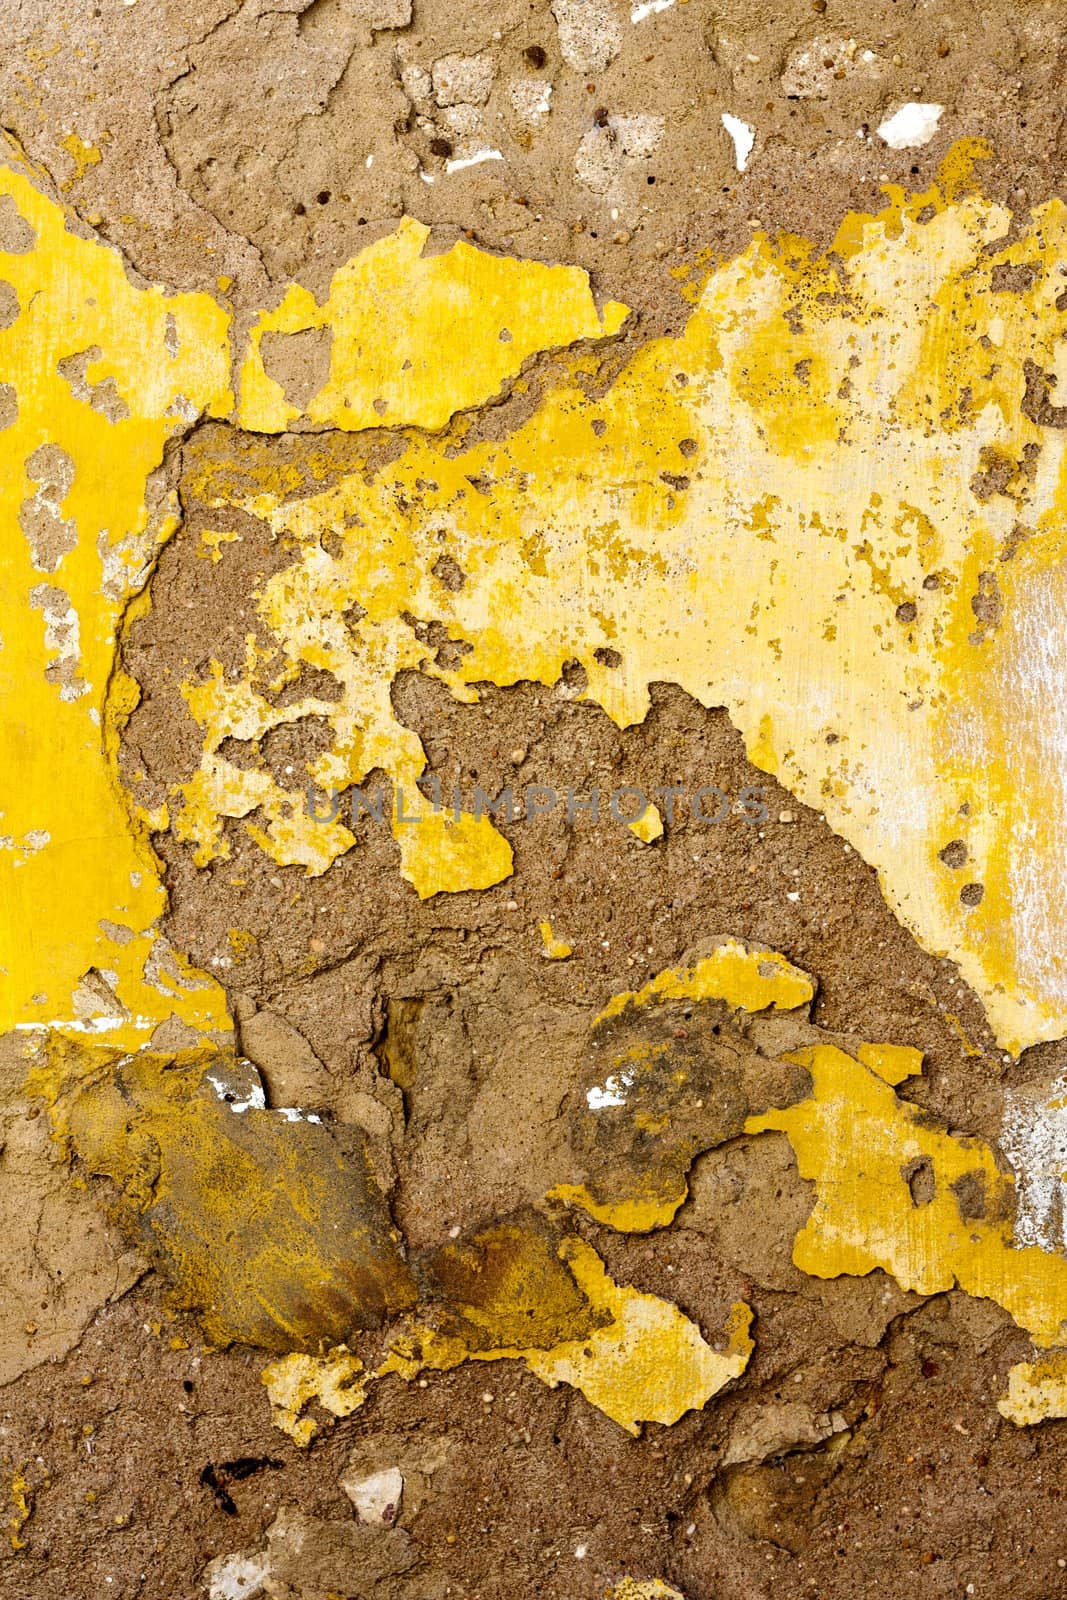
x: 244, y: 154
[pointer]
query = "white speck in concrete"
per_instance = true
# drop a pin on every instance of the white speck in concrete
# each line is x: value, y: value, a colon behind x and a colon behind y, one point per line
x: 475, y: 160
x: 648, y: 8
x: 743, y: 136
x: 913, y: 125
x: 256, y: 1101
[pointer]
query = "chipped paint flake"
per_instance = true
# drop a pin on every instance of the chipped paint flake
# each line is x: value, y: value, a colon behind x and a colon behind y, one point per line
x: 390, y: 372
x: 637, y: 1213
x: 648, y: 827
x: 552, y: 948
x: 894, y: 1190
x: 650, y: 1363
x: 335, y: 1381
x: 1037, y: 1390
x: 646, y: 1363
x: 476, y: 159
x: 750, y: 979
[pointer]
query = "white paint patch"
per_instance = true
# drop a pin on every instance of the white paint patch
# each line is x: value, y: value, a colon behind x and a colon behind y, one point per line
x: 459, y: 162
x: 913, y: 125
x: 613, y: 1092
x: 1034, y: 1140
x: 743, y: 136
x: 257, y: 1099
x: 63, y: 636
x: 648, y: 8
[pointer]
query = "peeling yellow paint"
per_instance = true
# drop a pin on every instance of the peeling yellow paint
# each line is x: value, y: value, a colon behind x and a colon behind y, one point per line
x: 553, y: 949
x: 22, y: 1501
x: 636, y: 1213
x: 80, y: 531
x: 897, y: 1191
x: 751, y: 980
x: 335, y: 1381
x: 893, y: 1062
x: 1037, y: 1390
x: 888, y: 557
x: 899, y: 664
x: 417, y: 338
x: 648, y: 1363
x: 648, y: 827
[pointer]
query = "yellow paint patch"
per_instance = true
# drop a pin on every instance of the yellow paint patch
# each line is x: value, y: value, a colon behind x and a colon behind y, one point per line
x: 636, y: 1213
x: 335, y: 1381
x: 645, y: 1589
x: 269, y: 1224
x: 648, y: 827
x: 212, y: 540
x: 1037, y: 1390
x: 553, y: 949
x: 751, y: 980
x: 442, y: 853
x: 893, y: 1190
x: 79, y: 884
x: 417, y: 338
x: 648, y: 1363
x: 893, y: 1062
x: 22, y: 1502
x: 81, y: 154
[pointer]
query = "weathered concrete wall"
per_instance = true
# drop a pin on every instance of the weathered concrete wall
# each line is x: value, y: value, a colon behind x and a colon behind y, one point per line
x: 531, y: 792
